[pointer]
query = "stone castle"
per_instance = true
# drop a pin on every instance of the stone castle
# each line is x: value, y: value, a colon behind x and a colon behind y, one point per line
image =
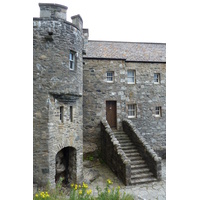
x: 86, y: 93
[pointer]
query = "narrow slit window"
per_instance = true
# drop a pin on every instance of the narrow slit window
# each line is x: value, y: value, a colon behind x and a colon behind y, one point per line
x: 156, y: 78
x: 71, y: 113
x: 61, y: 113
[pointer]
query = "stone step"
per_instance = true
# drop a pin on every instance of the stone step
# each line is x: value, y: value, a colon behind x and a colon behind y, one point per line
x: 123, y: 139
x: 139, y: 170
x: 130, y: 152
x: 127, y: 144
x: 127, y: 147
x: 136, y: 157
x: 142, y: 180
x: 138, y: 166
x: 141, y: 175
x: 135, y: 162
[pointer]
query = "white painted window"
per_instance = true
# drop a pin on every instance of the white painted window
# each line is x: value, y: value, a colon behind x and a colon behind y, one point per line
x: 131, y: 110
x: 72, y: 60
x: 110, y: 76
x: 158, y: 112
x: 156, y: 78
x: 131, y: 76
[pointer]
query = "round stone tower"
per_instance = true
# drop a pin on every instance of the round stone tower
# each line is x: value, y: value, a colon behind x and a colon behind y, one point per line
x: 57, y: 96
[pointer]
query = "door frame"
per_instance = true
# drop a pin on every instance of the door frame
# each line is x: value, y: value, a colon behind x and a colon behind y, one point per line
x: 115, y: 111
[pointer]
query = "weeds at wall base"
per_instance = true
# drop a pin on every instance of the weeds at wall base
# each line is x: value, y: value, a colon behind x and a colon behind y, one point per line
x: 82, y: 192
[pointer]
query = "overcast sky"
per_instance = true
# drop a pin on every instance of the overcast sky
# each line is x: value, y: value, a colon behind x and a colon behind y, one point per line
x: 127, y: 20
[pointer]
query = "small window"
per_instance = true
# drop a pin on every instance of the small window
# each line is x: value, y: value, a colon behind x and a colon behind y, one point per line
x: 131, y: 110
x: 71, y: 113
x: 156, y: 78
x: 110, y: 76
x: 72, y: 60
x: 61, y: 113
x: 158, y: 111
x: 131, y: 76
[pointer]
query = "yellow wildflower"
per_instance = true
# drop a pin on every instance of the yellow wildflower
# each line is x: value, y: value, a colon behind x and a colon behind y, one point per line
x: 79, y: 186
x: 80, y: 192
x: 72, y: 185
x: 108, y: 191
x: 118, y: 187
x: 85, y: 185
x: 89, y: 191
x: 109, y: 181
x: 76, y: 187
x: 36, y: 195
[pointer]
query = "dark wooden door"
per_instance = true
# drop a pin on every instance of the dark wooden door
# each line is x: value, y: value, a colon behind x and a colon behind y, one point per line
x: 111, y: 114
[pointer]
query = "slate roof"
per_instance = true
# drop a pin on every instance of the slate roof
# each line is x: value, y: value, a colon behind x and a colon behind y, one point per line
x: 131, y: 51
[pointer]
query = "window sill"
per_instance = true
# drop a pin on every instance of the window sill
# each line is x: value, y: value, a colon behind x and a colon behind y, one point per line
x: 110, y: 81
x: 131, y: 117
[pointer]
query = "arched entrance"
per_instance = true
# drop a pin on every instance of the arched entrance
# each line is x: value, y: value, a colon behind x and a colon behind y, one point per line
x: 66, y: 165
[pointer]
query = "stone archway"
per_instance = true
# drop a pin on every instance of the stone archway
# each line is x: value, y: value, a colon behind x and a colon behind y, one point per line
x: 66, y: 165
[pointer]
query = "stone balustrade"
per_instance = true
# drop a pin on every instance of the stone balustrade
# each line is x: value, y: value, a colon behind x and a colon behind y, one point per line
x: 147, y: 153
x: 113, y: 154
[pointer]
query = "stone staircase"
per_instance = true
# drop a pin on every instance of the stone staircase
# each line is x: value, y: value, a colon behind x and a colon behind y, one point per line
x: 140, y: 172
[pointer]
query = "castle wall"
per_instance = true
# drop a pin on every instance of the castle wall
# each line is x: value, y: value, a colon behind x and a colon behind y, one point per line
x: 144, y: 93
x: 56, y: 87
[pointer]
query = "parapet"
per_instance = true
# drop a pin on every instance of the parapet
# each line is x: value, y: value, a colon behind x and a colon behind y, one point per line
x: 51, y: 10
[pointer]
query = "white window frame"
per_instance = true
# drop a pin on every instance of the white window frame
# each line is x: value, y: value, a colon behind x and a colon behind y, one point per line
x: 132, y: 110
x: 72, y: 60
x: 158, y: 111
x: 110, y: 75
x: 156, y: 78
x: 131, y: 76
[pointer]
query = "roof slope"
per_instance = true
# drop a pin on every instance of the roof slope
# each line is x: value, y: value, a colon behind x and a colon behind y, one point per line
x: 131, y: 51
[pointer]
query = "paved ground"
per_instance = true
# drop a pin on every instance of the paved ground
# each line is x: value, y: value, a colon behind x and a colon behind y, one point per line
x: 148, y: 191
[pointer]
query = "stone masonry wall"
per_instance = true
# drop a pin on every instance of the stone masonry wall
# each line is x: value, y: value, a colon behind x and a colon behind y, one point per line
x: 144, y: 93
x: 113, y: 154
x: 55, y: 85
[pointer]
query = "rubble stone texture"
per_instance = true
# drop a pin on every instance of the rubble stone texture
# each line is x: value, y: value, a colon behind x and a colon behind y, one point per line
x: 56, y: 86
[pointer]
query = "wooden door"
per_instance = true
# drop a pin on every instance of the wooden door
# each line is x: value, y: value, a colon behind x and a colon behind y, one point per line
x: 111, y: 113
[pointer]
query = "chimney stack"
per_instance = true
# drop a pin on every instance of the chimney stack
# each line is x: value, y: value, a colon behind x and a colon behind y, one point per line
x: 50, y: 10
x: 77, y: 20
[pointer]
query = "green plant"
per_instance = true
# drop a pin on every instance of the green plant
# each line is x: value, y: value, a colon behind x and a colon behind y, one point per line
x: 91, y: 158
x: 82, y: 192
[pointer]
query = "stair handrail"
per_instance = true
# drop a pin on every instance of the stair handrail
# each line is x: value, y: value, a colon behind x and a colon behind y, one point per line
x: 124, y: 172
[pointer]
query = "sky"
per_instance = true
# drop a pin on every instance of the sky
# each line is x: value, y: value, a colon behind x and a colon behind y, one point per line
x: 113, y: 20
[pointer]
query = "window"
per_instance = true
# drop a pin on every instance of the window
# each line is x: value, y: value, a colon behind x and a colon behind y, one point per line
x: 156, y: 78
x: 61, y: 113
x: 71, y: 113
x: 131, y: 76
x: 158, y: 111
x: 110, y: 77
x: 72, y: 60
x: 131, y: 110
